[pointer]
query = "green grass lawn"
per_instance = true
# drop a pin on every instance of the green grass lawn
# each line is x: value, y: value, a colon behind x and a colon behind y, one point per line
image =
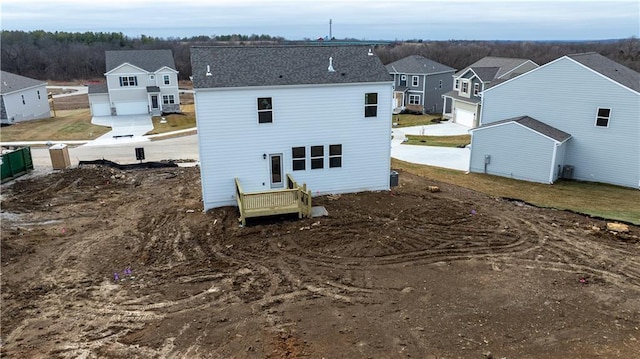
x: 440, y: 141
x: 174, y: 122
x: 76, y: 125
x: 68, y: 125
x: 406, y: 120
x: 595, y: 199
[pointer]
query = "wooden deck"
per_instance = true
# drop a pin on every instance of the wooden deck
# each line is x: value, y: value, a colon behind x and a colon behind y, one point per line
x: 293, y: 199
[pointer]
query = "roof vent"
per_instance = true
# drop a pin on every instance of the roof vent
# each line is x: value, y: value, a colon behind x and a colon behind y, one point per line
x: 370, y: 53
x: 209, y: 71
x: 331, y: 69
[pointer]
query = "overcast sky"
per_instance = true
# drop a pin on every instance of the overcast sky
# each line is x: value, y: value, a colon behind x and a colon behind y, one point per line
x: 359, y: 19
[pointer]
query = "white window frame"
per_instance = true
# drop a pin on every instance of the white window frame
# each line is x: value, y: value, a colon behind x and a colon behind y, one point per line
x: 336, y: 156
x: 299, y: 161
x: 476, y: 89
x: 368, y: 106
x: 166, y: 79
x: 168, y: 100
x: 456, y: 84
x: 128, y: 81
x: 464, y: 87
x: 317, y: 161
x: 598, y: 117
x: 414, y: 99
x: 265, y: 110
x: 440, y: 84
x: 415, y: 81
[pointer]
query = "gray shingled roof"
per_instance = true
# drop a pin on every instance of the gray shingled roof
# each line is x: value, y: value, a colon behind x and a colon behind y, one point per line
x: 416, y: 64
x: 12, y: 82
x: 504, y: 64
x: 241, y: 66
x: 609, y: 68
x: 535, y: 125
x: 98, y: 88
x: 149, y: 60
x: 486, y: 74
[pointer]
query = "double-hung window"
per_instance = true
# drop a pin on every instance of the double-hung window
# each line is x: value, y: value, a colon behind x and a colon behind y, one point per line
x: 371, y: 104
x: 168, y: 99
x: 456, y: 84
x: 128, y: 81
x: 335, y: 156
x: 166, y: 80
x: 465, y: 87
x: 414, y: 99
x: 415, y: 81
x: 317, y: 157
x: 298, y: 154
x: 476, y: 89
x: 602, y: 118
x: 265, y: 110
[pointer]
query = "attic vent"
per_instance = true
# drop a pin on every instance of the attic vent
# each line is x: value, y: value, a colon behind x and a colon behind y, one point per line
x: 331, y: 69
x: 370, y: 53
x: 209, y: 71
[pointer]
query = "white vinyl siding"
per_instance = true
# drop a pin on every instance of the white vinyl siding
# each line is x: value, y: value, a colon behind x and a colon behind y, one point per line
x: 515, y: 152
x: 25, y: 105
x: 610, y: 156
x: 365, y: 159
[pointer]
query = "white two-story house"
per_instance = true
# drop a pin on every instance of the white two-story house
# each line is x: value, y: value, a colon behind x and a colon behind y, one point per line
x: 577, y: 117
x: 22, y: 99
x: 138, y: 82
x: 462, y: 104
x: 319, y: 113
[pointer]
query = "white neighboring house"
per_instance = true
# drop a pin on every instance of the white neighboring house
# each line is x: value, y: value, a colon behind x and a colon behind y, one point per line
x: 22, y: 99
x: 138, y: 82
x: 575, y: 117
x: 319, y: 113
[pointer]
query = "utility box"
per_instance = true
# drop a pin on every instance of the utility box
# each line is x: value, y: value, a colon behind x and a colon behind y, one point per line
x: 59, y: 156
x: 567, y: 172
x: 393, y: 179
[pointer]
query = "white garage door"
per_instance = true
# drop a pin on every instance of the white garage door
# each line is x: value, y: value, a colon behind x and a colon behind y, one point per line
x: 100, y: 109
x: 132, y: 108
x: 464, y: 117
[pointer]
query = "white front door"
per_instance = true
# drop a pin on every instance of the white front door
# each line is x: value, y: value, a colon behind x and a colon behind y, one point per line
x: 275, y: 170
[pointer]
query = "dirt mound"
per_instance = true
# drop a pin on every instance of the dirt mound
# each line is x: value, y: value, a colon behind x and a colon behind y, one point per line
x: 103, y: 262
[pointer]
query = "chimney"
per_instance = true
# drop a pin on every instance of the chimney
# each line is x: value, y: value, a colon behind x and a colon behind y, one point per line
x: 331, y: 69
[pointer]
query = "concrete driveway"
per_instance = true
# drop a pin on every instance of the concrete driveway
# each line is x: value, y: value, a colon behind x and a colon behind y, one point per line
x: 447, y: 157
x: 124, y: 129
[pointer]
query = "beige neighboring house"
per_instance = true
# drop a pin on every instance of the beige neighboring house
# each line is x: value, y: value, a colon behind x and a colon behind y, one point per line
x: 462, y: 104
x: 22, y: 99
x: 138, y: 82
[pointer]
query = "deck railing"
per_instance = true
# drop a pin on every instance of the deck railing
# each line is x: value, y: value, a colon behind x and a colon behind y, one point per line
x: 293, y: 199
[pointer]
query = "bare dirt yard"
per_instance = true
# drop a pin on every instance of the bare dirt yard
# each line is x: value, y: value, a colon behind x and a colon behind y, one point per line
x: 406, y: 273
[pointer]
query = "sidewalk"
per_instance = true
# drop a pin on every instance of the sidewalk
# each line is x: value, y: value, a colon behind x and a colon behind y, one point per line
x: 446, y: 157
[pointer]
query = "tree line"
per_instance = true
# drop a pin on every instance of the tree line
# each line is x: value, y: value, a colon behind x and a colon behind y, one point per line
x: 66, y: 56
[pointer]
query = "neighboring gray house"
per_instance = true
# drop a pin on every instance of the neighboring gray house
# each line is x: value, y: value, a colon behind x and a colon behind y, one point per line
x: 419, y: 84
x: 22, y: 99
x: 462, y: 104
x: 137, y: 82
x: 587, y: 96
x: 319, y: 113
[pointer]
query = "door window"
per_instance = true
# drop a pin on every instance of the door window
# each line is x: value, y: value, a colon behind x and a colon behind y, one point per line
x: 276, y: 170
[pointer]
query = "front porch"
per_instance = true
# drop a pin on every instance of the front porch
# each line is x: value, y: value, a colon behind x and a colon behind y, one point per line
x: 293, y: 199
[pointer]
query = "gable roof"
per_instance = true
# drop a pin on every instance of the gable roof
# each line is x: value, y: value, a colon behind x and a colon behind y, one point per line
x: 505, y: 65
x: 240, y: 66
x: 148, y: 60
x: 416, y: 64
x: 12, y: 82
x: 533, y: 124
x: 485, y: 74
x: 609, y: 68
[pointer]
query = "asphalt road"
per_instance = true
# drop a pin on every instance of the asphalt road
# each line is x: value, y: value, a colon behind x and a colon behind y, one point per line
x: 179, y: 148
